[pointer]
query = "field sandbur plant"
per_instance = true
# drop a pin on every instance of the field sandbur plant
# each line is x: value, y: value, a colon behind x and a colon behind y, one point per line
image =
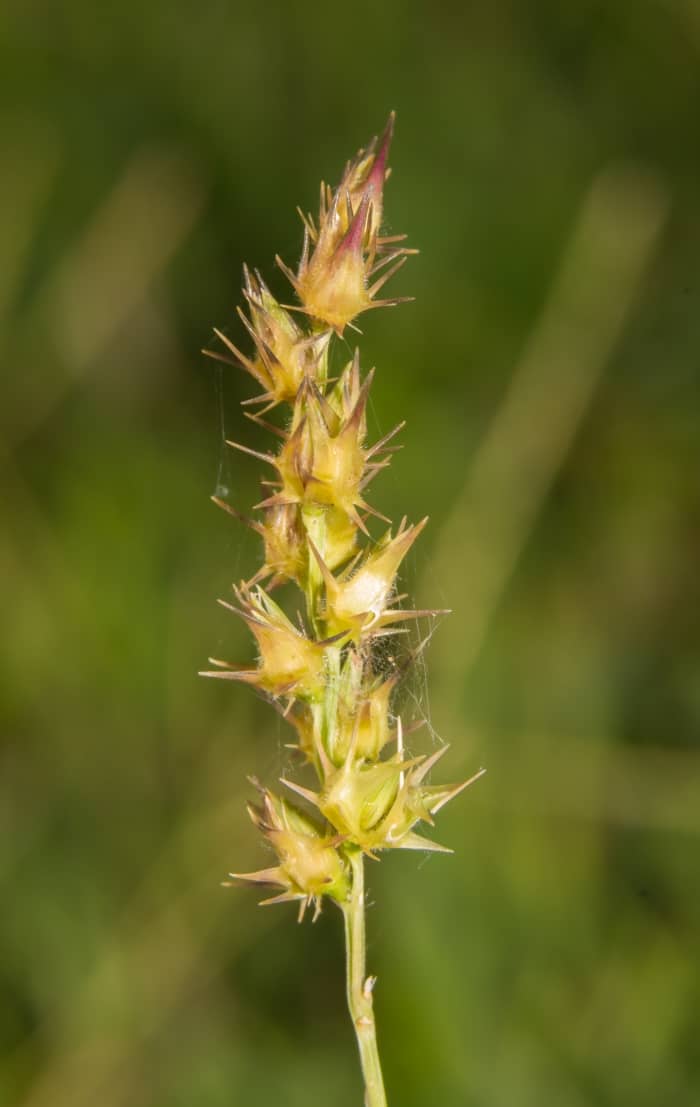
x: 325, y: 670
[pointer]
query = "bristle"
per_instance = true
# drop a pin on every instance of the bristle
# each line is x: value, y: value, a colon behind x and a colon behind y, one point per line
x: 305, y: 793
x: 256, y: 418
x: 253, y: 453
x: 380, y: 445
x: 287, y: 272
x: 378, y: 284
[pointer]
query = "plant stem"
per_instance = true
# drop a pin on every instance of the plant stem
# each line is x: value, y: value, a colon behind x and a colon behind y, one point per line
x: 359, y: 986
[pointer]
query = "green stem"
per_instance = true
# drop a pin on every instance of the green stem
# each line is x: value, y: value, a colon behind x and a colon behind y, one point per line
x: 315, y: 524
x: 359, y: 986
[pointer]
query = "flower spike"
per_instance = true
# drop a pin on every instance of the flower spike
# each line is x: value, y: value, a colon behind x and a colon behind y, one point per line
x: 329, y: 672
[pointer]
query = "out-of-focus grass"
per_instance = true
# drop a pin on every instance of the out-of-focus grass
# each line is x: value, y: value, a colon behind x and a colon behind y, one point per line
x: 548, y: 370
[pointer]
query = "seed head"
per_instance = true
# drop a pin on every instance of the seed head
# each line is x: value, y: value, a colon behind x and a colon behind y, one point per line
x: 323, y: 460
x: 358, y: 601
x: 329, y: 681
x: 290, y: 662
x: 377, y: 805
x: 284, y: 356
x: 363, y: 719
x: 337, y: 276
x: 286, y: 554
x: 310, y: 866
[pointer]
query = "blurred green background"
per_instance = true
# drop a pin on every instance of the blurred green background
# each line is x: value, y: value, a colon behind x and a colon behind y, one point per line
x: 547, y: 164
